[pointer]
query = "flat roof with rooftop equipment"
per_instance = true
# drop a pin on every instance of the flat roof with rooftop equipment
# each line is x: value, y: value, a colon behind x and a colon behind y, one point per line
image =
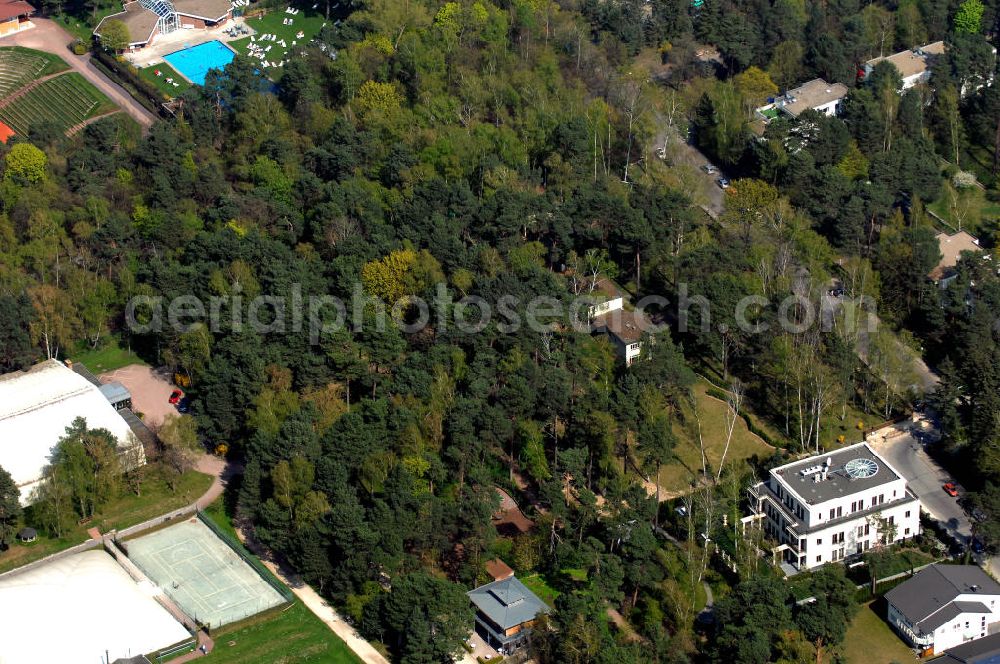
x: 840, y: 473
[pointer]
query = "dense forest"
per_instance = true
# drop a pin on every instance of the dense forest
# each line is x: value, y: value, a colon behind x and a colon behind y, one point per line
x: 507, y: 150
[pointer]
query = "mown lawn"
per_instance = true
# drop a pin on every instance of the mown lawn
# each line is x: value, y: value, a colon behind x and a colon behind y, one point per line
x: 83, y: 27
x: 108, y: 357
x: 126, y: 511
x: 537, y: 584
x: 307, y: 21
x: 678, y: 475
x: 291, y: 636
x: 870, y: 639
x: 166, y: 71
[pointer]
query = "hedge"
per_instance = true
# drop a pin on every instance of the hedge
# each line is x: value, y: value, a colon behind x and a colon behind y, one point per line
x: 141, y: 90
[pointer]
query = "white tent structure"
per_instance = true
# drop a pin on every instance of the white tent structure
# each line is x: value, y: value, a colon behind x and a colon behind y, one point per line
x: 81, y: 608
x: 36, y: 406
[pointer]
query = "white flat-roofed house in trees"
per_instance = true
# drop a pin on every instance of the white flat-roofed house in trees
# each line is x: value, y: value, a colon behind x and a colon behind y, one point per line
x: 828, y: 507
x: 815, y: 95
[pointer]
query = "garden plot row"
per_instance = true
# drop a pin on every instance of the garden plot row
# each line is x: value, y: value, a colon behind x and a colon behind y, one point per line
x: 17, y: 69
x: 64, y: 100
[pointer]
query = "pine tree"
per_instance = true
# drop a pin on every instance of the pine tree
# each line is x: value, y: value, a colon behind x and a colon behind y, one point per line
x: 10, y: 508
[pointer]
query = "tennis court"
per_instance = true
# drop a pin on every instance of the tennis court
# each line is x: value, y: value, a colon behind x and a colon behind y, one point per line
x: 202, y: 573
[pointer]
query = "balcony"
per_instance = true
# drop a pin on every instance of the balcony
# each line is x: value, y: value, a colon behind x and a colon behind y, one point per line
x: 759, y: 494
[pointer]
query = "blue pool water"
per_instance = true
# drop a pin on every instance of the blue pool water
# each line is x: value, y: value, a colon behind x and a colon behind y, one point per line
x: 195, y: 62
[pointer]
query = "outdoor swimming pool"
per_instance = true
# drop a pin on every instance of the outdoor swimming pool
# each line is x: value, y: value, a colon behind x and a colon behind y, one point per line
x: 194, y: 62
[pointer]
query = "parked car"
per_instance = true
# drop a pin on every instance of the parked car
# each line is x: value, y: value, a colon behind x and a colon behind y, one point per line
x: 723, y: 183
x: 175, y: 396
x: 708, y: 168
x: 184, y: 405
x: 681, y: 511
x: 950, y: 489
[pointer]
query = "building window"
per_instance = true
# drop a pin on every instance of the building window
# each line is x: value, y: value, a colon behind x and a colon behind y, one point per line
x: 819, y: 540
x: 881, y: 498
x: 840, y: 511
x: 866, y: 528
x: 907, y: 514
x: 906, y: 532
x: 819, y: 558
x: 861, y: 531
x: 831, y: 512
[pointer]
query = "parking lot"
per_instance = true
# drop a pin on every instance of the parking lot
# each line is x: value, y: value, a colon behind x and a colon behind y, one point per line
x: 926, y: 479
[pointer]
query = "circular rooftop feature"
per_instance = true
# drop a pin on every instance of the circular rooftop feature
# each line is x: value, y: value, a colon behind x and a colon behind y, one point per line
x: 860, y: 468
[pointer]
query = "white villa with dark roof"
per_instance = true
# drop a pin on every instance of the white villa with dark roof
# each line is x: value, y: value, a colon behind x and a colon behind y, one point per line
x: 829, y: 507
x: 505, y: 612
x: 943, y: 606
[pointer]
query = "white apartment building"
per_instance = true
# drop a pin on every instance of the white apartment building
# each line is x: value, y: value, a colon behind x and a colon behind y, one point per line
x: 943, y: 606
x: 829, y: 507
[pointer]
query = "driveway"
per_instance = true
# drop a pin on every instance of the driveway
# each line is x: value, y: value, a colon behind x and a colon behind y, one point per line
x: 150, y: 391
x: 925, y: 478
x: 701, y: 187
x: 48, y: 36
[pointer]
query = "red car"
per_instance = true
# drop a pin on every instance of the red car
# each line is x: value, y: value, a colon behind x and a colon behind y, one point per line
x: 175, y: 396
x: 950, y: 489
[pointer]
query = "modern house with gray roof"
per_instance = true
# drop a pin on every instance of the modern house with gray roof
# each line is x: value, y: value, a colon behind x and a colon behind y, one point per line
x: 980, y: 651
x: 505, y: 613
x: 833, y: 506
x: 943, y: 606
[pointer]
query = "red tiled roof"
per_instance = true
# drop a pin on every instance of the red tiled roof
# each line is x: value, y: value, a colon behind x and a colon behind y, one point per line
x: 498, y: 569
x: 5, y: 132
x: 14, y: 8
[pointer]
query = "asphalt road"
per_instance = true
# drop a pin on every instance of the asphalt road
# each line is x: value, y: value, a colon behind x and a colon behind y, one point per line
x: 925, y: 478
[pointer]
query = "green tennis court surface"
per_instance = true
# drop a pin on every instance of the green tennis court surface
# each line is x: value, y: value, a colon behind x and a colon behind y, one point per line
x: 202, y: 574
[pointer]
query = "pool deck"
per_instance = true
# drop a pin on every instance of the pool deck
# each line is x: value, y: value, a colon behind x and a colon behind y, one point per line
x: 181, y: 39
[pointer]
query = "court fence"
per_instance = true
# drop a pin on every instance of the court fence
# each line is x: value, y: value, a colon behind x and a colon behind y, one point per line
x: 188, y: 645
x: 248, y: 558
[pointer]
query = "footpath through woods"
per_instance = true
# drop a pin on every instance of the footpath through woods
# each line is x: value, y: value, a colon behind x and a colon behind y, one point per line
x: 222, y: 471
x: 312, y: 600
